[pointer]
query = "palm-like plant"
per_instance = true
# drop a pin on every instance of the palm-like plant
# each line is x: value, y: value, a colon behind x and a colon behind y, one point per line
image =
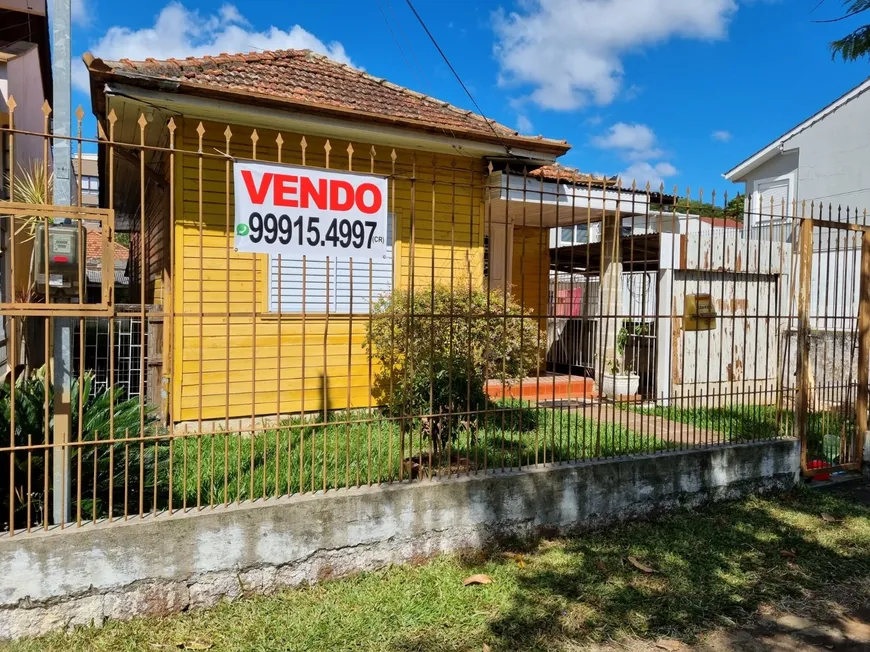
x: 105, y: 415
x: 34, y: 185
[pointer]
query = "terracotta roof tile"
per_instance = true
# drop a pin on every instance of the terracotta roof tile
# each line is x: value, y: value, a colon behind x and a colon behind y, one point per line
x: 306, y: 77
x: 570, y: 175
x: 95, y: 247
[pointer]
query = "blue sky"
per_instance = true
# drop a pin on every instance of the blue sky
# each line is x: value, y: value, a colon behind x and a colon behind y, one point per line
x: 673, y: 91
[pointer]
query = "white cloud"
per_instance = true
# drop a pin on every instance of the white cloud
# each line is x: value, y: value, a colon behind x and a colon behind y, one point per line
x: 180, y: 32
x: 638, y: 144
x: 633, y: 141
x: 643, y: 172
x: 721, y: 135
x: 524, y: 125
x: 79, y: 13
x: 570, y: 51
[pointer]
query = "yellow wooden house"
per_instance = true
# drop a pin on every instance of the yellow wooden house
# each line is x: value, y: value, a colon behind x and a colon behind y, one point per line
x: 232, y: 335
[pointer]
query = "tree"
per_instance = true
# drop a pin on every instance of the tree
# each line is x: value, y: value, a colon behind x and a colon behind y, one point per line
x: 857, y: 44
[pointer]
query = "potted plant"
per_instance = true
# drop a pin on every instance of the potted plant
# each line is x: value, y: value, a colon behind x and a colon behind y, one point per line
x: 616, y: 380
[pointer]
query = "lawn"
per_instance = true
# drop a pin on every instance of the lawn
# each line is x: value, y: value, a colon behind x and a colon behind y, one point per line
x: 713, y: 567
x: 358, y: 450
x: 748, y: 422
x: 736, y: 422
x: 350, y: 449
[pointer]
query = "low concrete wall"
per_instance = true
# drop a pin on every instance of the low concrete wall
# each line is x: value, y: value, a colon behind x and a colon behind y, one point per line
x: 168, y: 564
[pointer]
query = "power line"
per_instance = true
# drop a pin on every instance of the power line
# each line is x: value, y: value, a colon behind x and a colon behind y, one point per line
x: 398, y: 45
x: 456, y: 74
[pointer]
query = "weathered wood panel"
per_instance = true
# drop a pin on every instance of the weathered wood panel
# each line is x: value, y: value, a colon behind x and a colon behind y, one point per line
x: 727, y: 250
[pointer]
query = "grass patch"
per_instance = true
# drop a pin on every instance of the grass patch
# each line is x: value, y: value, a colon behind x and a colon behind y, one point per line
x: 748, y: 422
x: 713, y: 567
x: 736, y: 422
x: 299, y: 457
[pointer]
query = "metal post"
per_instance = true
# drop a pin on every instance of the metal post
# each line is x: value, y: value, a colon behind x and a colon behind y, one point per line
x: 62, y: 340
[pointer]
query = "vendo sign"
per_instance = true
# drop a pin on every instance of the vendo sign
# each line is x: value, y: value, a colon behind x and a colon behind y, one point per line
x: 300, y: 211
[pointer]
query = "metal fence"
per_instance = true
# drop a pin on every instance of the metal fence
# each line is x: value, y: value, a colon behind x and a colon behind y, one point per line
x: 254, y: 376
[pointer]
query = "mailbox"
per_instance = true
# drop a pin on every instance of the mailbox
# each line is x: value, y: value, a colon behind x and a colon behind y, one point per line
x: 698, y: 314
x: 65, y: 258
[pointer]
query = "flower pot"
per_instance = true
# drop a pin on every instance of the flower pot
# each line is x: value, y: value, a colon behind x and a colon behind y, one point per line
x: 616, y: 385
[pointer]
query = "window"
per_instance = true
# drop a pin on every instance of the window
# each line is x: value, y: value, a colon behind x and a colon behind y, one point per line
x: 90, y: 183
x: 567, y: 235
x: 329, y: 287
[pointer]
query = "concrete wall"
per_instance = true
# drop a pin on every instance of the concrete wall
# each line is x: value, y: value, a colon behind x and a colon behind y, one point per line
x: 168, y: 564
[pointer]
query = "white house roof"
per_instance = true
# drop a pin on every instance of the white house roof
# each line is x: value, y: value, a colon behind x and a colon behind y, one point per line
x: 771, y: 150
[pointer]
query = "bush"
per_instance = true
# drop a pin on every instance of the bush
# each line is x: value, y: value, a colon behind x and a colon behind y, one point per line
x: 437, y: 348
x: 108, y: 461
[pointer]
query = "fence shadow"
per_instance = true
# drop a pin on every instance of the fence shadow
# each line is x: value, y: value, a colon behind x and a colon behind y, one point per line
x: 712, y: 569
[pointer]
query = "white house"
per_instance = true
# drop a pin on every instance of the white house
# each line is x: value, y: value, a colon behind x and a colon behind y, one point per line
x: 822, y: 161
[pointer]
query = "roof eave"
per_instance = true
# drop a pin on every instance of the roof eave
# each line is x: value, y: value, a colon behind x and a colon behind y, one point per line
x: 100, y: 73
x: 763, y: 155
x: 738, y: 173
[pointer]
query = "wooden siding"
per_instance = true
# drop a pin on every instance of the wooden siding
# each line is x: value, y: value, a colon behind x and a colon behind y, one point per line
x: 530, y: 273
x: 229, y: 364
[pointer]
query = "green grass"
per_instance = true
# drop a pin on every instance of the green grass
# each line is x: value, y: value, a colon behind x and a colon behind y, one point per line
x: 737, y: 422
x: 714, y: 567
x: 301, y: 457
x: 742, y: 422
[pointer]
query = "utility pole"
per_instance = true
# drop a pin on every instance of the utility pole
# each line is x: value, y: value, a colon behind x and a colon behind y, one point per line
x: 63, y: 326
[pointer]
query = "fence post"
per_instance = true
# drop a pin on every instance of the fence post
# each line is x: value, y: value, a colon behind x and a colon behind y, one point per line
x: 861, y: 404
x: 803, y: 339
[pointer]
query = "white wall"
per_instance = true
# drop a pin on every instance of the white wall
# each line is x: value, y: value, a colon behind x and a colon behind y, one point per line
x: 834, y: 161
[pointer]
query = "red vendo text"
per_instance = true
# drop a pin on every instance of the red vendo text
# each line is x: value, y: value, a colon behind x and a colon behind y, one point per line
x: 296, y: 191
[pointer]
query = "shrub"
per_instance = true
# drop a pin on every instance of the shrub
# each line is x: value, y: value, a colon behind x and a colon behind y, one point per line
x: 107, y: 461
x: 437, y: 347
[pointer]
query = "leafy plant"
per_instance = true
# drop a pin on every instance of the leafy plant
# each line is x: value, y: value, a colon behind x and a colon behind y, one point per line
x: 437, y: 348
x: 104, y: 416
x: 615, y: 365
x: 856, y: 44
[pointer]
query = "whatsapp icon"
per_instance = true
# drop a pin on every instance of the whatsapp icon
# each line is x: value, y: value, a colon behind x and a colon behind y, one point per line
x: 243, y: 229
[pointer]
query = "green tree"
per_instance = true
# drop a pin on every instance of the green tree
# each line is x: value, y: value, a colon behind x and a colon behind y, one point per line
x: 855, y: 45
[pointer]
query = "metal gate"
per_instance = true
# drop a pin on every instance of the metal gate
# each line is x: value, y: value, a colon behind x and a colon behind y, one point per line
x: 833, y: 345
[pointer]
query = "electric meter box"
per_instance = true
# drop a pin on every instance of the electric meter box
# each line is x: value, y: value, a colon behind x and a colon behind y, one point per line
x: 65, y: 259
x: 699, y: 314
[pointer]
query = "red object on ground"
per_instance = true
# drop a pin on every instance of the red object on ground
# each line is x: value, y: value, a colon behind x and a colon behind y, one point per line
x: 818, y: 464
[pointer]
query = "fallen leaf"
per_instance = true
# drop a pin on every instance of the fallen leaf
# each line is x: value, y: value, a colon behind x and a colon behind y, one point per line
x: 486, y: 648
x: 668, y: 644
x: 827, y: 518
x: 196, y: 645
x: 520, y: 563
x: 788, y: 554
x: 641, y: 567
x: 476, y: 579
x: 721, y: 522
x: 600, y: 565
x: 766, y: 609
